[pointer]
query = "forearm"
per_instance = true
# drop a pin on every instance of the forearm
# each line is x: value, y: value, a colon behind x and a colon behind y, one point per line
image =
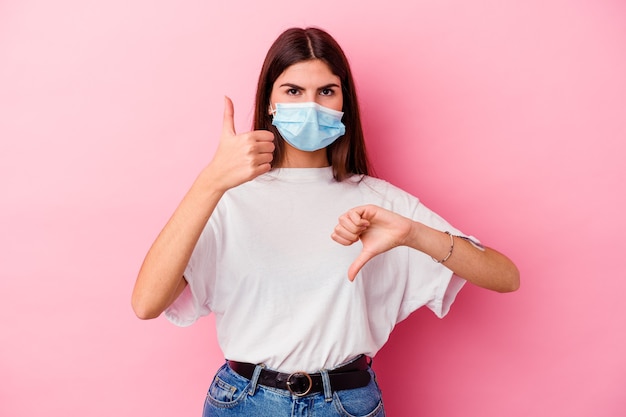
x: 485, y: 268
x: 160, y: 279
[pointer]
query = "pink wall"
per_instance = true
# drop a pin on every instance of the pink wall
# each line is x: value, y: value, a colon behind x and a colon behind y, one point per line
x: 508, y: 118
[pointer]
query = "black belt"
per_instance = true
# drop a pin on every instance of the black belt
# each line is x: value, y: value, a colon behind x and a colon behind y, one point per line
x: 350, y: 376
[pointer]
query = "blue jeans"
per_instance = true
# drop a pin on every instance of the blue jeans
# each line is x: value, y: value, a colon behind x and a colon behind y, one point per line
x: 232, y: 395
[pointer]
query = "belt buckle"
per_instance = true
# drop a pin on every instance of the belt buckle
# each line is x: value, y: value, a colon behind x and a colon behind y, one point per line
x: 297, y: 391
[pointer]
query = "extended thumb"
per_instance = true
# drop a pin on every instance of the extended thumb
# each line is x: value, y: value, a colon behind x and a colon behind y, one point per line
x: 358, y: 263
x: 228, y: 126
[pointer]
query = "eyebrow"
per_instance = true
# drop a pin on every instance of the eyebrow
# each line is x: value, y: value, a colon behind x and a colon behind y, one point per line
x: 297, y: 87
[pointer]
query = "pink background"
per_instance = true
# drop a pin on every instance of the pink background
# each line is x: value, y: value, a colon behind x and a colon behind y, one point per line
x: 508, y: 118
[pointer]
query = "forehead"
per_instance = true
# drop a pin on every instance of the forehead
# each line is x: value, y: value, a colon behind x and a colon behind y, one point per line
x: 305, y: 73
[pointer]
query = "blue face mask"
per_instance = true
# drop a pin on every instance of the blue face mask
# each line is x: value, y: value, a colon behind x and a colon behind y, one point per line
x: 308, y: 126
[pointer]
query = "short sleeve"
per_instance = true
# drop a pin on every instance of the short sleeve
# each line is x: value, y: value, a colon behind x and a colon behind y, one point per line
x: 431, y: 284
x: 195, y: 300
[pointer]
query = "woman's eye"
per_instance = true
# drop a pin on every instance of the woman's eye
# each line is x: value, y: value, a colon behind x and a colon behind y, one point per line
x: 327, y: 92
x: 292, y: 92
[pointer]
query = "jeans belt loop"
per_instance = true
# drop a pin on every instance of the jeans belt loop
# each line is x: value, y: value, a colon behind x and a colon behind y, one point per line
x: 328, y: 391
x: 255, y: 379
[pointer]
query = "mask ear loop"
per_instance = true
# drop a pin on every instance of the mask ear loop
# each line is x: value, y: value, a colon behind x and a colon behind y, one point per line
x: 271, y: 111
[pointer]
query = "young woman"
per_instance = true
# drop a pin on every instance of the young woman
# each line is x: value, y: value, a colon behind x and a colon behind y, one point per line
x: 306, y: 260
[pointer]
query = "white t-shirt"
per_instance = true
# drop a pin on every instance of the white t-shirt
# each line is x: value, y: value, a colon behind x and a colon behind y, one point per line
x: 278, y: 285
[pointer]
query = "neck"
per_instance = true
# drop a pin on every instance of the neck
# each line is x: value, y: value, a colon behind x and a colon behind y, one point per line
x: 295, y: 158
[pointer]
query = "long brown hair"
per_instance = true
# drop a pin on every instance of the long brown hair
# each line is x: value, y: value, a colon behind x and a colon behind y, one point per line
x: 347, y: 155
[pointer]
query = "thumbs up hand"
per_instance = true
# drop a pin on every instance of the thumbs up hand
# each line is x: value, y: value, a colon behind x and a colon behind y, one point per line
x: 378, y: 229
x: 239, y: 157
